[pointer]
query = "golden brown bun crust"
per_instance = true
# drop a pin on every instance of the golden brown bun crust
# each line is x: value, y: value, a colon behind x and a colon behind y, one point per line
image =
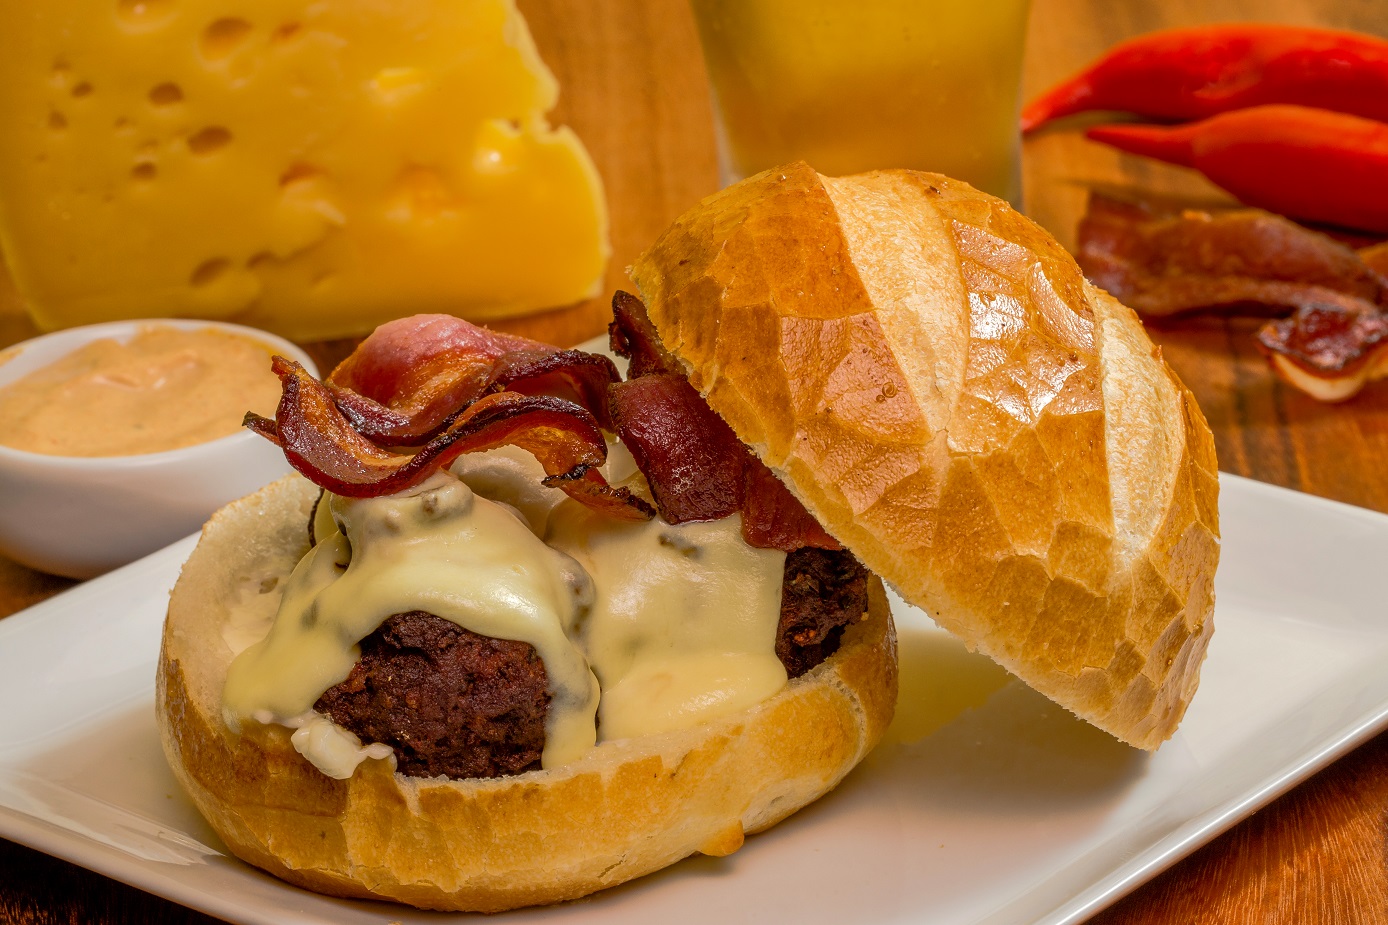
x: 930, y: 373
x: 627, y: 809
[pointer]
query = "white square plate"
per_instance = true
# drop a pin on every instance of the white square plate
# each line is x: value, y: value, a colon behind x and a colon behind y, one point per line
x: 986, y: 805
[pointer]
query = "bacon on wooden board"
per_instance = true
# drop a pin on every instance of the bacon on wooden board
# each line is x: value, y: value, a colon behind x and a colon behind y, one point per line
x: 1327, y: 352
x: 1163, y: 262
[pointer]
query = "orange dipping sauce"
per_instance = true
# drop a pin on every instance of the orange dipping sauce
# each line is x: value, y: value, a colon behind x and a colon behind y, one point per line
x: 163, y: 389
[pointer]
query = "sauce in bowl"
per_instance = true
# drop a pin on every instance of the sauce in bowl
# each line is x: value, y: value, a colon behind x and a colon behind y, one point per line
x: 163, y: 389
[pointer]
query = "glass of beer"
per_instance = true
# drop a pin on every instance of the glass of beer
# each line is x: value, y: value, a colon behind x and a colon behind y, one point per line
x: 854, y: 85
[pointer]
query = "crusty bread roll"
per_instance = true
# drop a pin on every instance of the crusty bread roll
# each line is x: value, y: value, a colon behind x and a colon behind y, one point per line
x: 932, y: 376
x: 628, y: 808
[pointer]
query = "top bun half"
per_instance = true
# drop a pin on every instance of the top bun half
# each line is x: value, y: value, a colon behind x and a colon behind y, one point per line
x: 931, y: 375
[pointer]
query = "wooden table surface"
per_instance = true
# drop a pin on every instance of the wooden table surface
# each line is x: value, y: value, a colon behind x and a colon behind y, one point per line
x: 634, y: 89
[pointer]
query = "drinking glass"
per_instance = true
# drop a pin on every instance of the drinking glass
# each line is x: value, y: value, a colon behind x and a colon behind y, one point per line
x: 854, y: 85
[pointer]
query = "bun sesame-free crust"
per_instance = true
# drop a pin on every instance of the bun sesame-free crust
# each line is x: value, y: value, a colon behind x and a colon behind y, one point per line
x: 628, y: 808
x: 931, y: 375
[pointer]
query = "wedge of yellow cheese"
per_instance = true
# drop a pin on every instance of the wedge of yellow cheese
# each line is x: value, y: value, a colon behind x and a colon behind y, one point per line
x: 313, y: 167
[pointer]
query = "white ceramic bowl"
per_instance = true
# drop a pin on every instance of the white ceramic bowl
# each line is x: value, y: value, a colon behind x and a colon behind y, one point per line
x: 81, y: 516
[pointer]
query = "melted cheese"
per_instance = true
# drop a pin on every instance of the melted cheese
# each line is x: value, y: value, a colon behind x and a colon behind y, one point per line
x: 330, y: 748
x: 309, y: 168
x: 671, y: 626
x: 511, y: 476
x: 438, y: 548
x: 682, y: 628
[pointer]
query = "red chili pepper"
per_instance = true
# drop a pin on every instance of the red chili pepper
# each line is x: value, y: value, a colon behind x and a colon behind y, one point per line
x: 1182, y: 74
x: 1306, y: 163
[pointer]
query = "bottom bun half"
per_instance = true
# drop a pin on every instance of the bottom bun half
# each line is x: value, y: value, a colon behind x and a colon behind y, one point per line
x: 626, y: 809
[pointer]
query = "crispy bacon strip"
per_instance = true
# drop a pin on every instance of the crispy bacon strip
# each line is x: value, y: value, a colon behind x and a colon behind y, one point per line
x: 691, y: 458
x: 1165, y: 261
x: 589, y: 488
x: 1326, y: 351
x: 402, y: 386
x: 581, y: 377
x: 699, y: 470
x: 773, y: 518
x: 696, y: 466
x: 320, y: 442
x: 426, y: 367
x: 572, y: 374
x: 632, y: 335
x: 380, y: 424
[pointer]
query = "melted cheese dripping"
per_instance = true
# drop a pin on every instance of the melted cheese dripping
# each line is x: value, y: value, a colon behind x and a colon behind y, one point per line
x: 438, y: 548
x: 682, y: 629
x: 330, y: 748
x: 678, y: 623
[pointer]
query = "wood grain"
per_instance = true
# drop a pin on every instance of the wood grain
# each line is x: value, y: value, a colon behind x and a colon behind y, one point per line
x: 634, y: 89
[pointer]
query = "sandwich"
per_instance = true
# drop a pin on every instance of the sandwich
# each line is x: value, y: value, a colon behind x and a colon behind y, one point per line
x: 526, y: 628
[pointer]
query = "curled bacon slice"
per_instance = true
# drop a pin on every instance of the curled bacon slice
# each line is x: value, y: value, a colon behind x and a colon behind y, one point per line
x: 632, y: 335
x: 405, y: 382
x: 588, y: 487
x: 582, y: 377
x: 1165, y: 261
x: 578, y: 376
x: 320, y: 442
x: 425, y: 367
x: 696, y: 466
x: 1326, y: 351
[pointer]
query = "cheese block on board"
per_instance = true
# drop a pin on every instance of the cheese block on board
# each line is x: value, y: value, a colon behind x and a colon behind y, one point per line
x: 306, y: 167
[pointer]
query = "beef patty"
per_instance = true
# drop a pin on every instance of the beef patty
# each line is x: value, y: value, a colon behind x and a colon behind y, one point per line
x: 453, y: 703
x: 823, y: 591
x: 447, y: 700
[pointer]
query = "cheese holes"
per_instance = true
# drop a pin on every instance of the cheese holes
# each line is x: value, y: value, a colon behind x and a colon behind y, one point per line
x: 82, y: 89
x: 223, y: 37
x: 299, y: 173
x: 144, y: 171
x: 57, y: 121
x: 209, y: 271
x: 209, y: 140
x: 286, y: 33
x: 166, y: 94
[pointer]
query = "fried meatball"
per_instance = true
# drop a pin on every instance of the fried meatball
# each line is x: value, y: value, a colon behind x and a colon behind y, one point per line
x: 824, y: 590
x: 448, y: 701
x: 453, y: 703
